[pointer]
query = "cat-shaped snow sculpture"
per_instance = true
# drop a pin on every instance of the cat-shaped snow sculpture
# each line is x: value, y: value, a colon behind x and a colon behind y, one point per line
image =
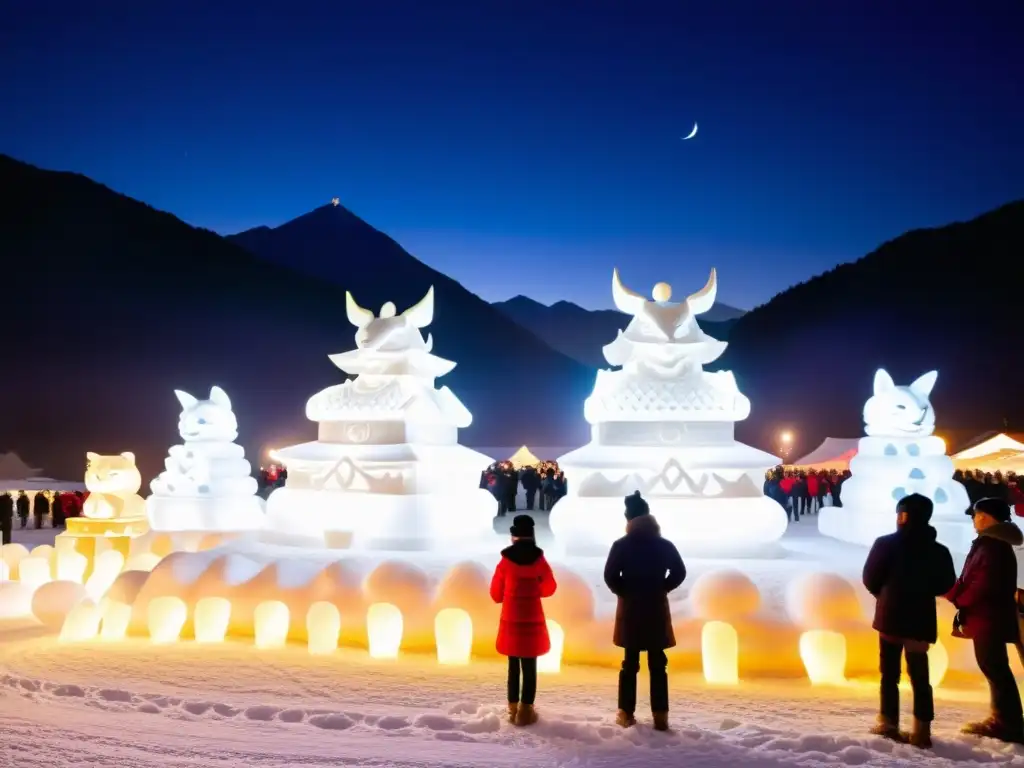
x: 894, y: 411
x: 207, y: 483
x: 113, y: 483
x: 209, y: 463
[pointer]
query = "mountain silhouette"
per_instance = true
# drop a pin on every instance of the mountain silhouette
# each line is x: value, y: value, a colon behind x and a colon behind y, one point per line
x: 946, y: 298
x: 582, y: 333
x: 112, y: 305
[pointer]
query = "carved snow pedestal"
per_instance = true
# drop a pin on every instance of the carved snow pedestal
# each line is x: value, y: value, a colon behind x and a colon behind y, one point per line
x: 664, y: 426
x: 207, y: 483
x: 387, y: 472
x: 899, y: 456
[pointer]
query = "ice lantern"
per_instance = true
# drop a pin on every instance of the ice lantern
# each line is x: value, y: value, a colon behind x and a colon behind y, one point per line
x: 720, y: 653
x: 323, y: 625
x: 453, y: 635
x: 270, y: 622
x: 211, y: 619
x: 165, y: 618
x: 384, y: 630
x: 823, y: 653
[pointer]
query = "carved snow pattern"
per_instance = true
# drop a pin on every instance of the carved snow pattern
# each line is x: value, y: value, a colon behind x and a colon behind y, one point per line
x: 674, y: 481
x: 664, y: 397
x: 344, y: 475
x: 350, y: 398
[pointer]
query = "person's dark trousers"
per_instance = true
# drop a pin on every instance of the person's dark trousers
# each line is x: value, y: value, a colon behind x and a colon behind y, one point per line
x: 795, y: 502
x: 510, y: 503
x: 657, y: 668
x: 890, y: 653
x: 529, y: 674
x: 530, y: 496
x: 5, y: 532
x: 549, y: 501
x: 994, y: 663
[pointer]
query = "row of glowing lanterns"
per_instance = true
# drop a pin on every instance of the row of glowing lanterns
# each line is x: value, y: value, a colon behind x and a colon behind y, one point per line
x: 823, y: 652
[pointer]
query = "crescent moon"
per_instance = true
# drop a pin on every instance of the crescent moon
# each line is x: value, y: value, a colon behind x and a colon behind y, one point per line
x: 692, y: 133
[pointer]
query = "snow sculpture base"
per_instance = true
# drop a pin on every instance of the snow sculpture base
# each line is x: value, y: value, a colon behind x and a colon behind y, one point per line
x: 859, y: 526
x: 172, y: 514
x: 586, y: 527
x: 452, y: 522
x: 83, y: 534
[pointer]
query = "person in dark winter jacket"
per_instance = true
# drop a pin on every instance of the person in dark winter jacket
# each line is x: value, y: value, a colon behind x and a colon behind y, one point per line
x: 642, y: 568
x: 23, y: 506
x: 531, y: 482
x: 906, y: 571
x: 40, y: 509
x: 985, y: 598
x: 6, y: 517
x: 57, y: 510
x: 522, y: 578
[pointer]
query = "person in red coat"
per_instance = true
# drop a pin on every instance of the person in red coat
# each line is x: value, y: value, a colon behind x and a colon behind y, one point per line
x: 521, y: 579
x: 985, y: 596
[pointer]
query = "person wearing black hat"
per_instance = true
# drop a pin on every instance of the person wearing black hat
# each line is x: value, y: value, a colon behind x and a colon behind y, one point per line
x: 985, y: 598
x: 521, y: 579
x: 906, y: 571
x: 642, y: 568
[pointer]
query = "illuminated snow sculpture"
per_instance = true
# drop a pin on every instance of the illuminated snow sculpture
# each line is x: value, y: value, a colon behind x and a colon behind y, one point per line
x: 207, y: 483
x: 664, y: 426
x: 387, y: 472
x: 899, y: 456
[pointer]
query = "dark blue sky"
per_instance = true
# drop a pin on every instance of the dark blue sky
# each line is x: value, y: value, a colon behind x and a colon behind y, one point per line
x: 529, y: 146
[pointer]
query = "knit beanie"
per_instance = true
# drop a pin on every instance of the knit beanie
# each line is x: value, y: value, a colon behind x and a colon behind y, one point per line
x: 636, y: 506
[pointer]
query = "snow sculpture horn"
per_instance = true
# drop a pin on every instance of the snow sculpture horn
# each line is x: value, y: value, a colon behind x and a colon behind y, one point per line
x: 626, y: 300
x: 701, y: 301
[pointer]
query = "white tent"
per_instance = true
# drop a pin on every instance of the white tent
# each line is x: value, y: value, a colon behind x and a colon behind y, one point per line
x: 833, y: 453
x: 16, y: 475
x: 508, y: 453
x: 995, y: 444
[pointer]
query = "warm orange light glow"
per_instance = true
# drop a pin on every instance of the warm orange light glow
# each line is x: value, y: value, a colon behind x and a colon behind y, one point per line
x: 271, y: 624
x: 105, y: 570
x: 824, y: 656
x: 71, y: 566
x: 453, y: 636
x: 551, y: 662
x: 938, y: 665
x: 720, y: 653
x: 786, y: 437
x: 211, y: 618
x: 384, y: 629
x: 165, y: 618
x: 323, y: 625
x: 82, y: 623
x: 34, y: 571
x: 116, y: 617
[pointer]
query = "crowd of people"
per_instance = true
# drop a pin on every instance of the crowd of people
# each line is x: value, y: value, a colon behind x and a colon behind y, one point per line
x: 39, y: 508
x: 544, y: 484
x: 906, y: 571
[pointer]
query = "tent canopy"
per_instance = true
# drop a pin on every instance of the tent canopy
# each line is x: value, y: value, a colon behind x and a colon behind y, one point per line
x: 523, y: 458
x: 16, y: 475
x: 833, y: 453
x: 999, y: 461
x: 992, y: 444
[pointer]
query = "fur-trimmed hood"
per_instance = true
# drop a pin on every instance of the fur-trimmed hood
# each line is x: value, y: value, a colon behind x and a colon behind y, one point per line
x: 645, y: 525
x: 523, y: 552
x: 1007, y: 532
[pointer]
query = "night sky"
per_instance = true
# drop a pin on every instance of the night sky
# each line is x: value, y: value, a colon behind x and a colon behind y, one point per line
x: 529, y: 146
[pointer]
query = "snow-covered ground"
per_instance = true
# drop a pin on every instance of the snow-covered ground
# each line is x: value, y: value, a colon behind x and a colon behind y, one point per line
x: 135, y: 705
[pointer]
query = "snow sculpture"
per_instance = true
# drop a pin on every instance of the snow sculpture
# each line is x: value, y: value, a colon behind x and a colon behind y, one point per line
x: 899, y: 456
x: 387, y: 471
x: 113, y: 483
x: 664, y: 426
x: 207, y: 484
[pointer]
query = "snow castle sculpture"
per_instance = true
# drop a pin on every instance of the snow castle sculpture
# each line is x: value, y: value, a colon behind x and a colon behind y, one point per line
x: 899, y: 456
x: 664, y: 426
x: 386, y: 472
x: 207, y: 484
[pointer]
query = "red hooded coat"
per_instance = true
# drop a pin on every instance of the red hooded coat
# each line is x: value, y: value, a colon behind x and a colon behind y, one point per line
x: 521, y: 579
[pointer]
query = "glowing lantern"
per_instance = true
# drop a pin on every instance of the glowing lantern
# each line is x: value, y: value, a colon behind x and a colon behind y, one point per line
x: 116, y: 617
x: 5, y: 571
x: 323, y: 625
x: 823, y: 653
x: 34, y: 571
x: 271, y: 624
x: 211, y: 618
x: 720, y: 653
x: 384, y: 630
x: 165, y: 617
x: 71, y: 566
x: 453, y: 636
x: 551, y: 662
x: 105, y: 571
x: 82, y: 623
x: 145, y: 561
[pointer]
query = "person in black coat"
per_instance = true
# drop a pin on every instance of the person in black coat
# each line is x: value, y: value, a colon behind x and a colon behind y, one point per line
x: 642, y: 568
x: 40, y: 509
x: 6, y: 517
x: 23, y: 505
x: 906, y: 571
x: 530, y: 480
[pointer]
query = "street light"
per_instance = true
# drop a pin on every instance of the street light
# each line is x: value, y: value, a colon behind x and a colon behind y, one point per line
x: 786, y: 437
x: 785, y: 444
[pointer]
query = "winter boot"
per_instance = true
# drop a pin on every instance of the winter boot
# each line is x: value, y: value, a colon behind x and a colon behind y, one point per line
x: 660, y: 721
x: 624, y: 719
x: 921, y: 736
x: 995, y: 729
x: 525, y: 715
x: 888, y: 729
x: 513, y: 710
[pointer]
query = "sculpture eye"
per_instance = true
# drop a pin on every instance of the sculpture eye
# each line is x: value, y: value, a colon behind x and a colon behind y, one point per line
x: 203, y: 421
x: 902, y: 407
